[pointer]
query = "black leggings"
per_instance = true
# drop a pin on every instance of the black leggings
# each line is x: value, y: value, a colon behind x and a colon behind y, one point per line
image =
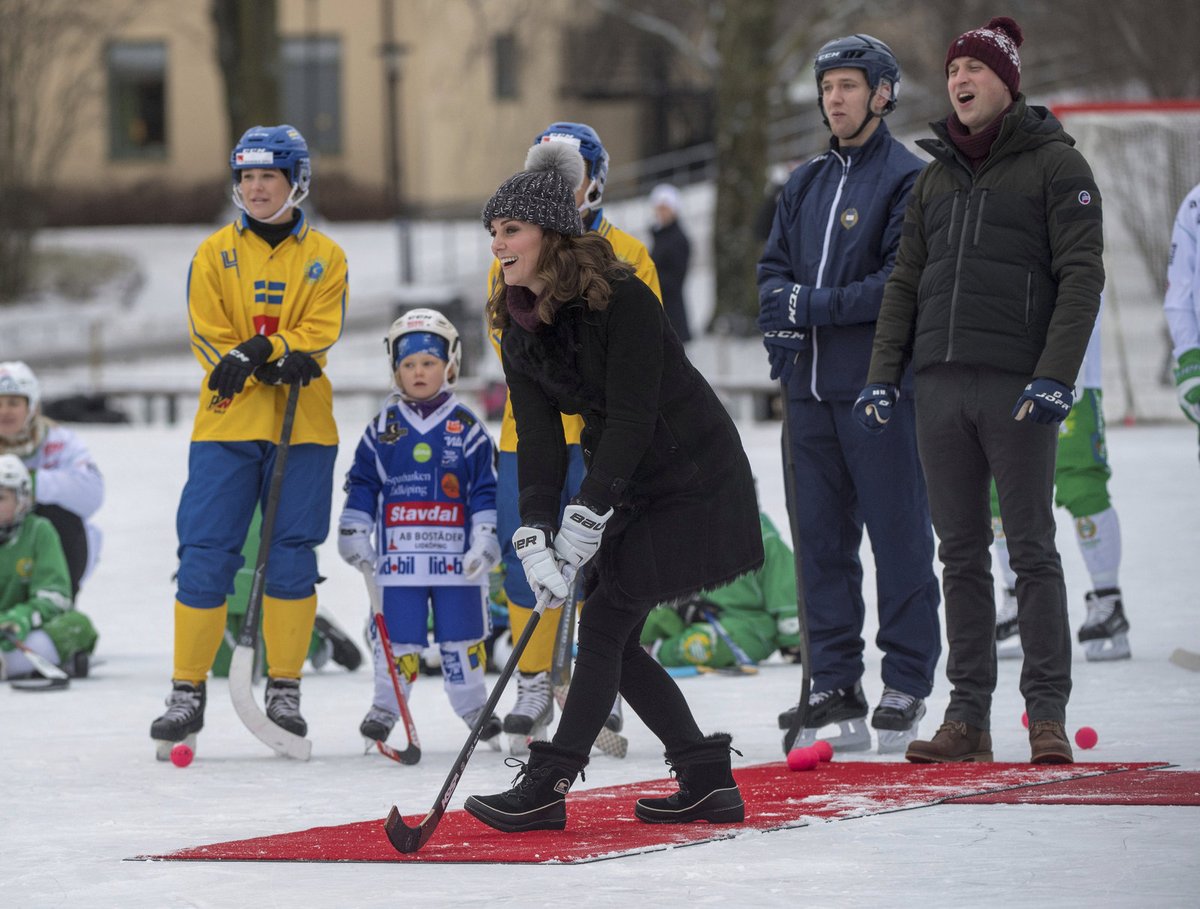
x: 611, y: 659
x: 73, y: 534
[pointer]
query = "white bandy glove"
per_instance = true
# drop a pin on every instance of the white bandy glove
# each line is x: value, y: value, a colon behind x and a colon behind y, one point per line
x: 579, y: 536
x: 355, y: 546
x: 484, y: 553
x: 542, y: 569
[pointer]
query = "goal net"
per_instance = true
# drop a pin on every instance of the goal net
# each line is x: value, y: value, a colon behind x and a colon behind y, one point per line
x: 1146, y: 158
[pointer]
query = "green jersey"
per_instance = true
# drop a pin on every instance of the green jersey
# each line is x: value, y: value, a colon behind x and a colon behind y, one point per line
x: 33, y: 571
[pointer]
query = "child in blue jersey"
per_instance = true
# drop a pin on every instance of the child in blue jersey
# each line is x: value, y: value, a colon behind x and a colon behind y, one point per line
x: 421, y: 512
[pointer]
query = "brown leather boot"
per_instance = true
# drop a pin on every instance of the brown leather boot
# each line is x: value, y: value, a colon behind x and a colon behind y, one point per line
x: 1048, y: 743
x: 953, y: 742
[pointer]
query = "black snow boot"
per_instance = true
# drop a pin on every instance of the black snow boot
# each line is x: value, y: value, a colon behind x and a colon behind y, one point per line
x: 538, y: 798
x: 707, y: 790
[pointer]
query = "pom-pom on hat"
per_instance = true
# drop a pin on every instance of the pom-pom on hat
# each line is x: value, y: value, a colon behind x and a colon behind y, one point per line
x: 544, y: 192
x: 996, y: 45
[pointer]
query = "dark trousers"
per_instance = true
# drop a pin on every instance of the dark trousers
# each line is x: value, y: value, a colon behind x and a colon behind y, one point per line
x: 967, y: 435
x: 611, y: 659
x: 845, y: 479
x: 72, y: 532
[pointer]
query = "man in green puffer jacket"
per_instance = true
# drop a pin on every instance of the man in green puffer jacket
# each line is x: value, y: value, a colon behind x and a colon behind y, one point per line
x: 993, y: 298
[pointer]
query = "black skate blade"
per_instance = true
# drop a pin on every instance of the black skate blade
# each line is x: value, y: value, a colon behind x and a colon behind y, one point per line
x: 40, y: 684
x: 409, y: 755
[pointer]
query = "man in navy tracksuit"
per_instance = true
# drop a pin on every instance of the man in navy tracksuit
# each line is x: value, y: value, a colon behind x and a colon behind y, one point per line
x: 820, y: 280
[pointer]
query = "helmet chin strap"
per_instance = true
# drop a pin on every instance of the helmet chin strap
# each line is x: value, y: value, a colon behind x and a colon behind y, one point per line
x: 295, y: 197
x: 867, y: 119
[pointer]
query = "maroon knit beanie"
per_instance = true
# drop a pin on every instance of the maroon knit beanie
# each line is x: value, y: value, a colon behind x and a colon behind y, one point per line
x: 996, y: 45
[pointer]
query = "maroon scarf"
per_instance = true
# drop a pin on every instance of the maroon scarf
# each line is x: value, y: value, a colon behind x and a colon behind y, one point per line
x: 522, y: 307
x: 975, y: 148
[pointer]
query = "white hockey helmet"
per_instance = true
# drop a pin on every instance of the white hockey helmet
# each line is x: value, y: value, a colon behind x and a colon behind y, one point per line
x: 14, y: 477
x: 18, y: 380
x: 428, y: 322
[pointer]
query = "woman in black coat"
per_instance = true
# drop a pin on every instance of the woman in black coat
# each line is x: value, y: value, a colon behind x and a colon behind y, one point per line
x: 667, y: 507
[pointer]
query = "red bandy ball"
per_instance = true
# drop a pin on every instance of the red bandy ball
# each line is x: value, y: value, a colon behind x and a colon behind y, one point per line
x: 181, y: 755
x: 1086, y: 737
x: 802, y: 758
x: 823, y: 749
x: 1025, y: 720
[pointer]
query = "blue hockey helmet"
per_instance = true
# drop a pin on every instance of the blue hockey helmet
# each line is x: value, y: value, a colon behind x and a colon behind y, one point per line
x: 280, y: 147
x: 871, y: 55
x: 584, y: 138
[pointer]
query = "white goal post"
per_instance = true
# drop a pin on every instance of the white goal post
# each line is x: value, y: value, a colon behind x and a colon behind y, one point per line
x: 1146, y: 158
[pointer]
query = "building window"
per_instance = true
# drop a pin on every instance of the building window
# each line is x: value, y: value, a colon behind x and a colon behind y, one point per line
x: 311, y: 90
x: 506, y: 66
x: 137, y: 100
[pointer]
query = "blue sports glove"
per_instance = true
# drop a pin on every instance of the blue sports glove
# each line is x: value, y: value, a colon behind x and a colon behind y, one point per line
x: 874, y: 406
x: 783, y: 347
x: 779, y: 305
x: 1044, y: 401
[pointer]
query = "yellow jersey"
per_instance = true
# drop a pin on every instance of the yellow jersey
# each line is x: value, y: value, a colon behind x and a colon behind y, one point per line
x: 295, y: 294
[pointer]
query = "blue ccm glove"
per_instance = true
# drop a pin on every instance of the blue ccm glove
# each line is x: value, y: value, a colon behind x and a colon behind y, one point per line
x: 783, y: 335
x: 1044, y: 401
x: 783, y: 349
x: 874, y: 406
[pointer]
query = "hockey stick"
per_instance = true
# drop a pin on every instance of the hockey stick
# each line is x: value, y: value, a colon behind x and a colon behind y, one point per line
x: 241, y: 665
x: 55, y: 678
x: 408, y: 839
x: 611, y: 743
x: 412, y: 753
x: 745, y: 665
x: 789, y: 488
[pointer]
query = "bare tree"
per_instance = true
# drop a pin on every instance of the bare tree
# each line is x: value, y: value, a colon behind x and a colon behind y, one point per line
x: 248, y: 56
x: 48, y: 53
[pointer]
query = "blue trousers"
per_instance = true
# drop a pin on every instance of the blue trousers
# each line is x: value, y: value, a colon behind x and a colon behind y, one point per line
x: 846, y: 479
x: 508, y: 518
x: 459, y: 613
x: 226, y: 480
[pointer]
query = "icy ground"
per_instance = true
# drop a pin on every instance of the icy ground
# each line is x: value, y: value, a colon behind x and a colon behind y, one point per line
x: 85, y: 793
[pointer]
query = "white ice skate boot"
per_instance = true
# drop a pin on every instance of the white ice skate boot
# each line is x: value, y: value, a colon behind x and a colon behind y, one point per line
x: 490, y: 733
x: 1104, y: 632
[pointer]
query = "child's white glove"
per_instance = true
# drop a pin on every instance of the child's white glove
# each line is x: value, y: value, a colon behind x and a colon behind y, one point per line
x: 355, y: 546
x: 484, y: 553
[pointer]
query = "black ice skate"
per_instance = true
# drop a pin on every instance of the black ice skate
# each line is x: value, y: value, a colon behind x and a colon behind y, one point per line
x: 532, y: 713
x: 343, y: 650
x: 897, y: 718
x: 1008, y: 633
x: 283, y: 705
x: 490, y: 731
x: 377, y: 725
x: 183, y: 719
x: 845, y: 707
x: 1104, y: 632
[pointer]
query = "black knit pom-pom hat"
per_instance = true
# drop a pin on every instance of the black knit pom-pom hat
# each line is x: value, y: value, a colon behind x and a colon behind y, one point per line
x: 544, y: 192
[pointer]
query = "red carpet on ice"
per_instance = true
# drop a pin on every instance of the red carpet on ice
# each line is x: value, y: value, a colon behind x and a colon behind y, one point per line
x: 601, y: 825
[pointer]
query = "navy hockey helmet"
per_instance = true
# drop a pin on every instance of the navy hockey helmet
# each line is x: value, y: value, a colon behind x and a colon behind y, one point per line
x: 584, y: 138
x: 280, y: 147
x: 871, y: 55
